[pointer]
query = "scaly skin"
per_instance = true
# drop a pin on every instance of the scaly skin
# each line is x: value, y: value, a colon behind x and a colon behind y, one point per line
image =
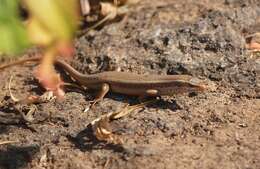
x: 129, y: 83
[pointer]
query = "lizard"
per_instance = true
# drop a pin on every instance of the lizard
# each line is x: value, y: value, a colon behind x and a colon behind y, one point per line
x: 128, y: 83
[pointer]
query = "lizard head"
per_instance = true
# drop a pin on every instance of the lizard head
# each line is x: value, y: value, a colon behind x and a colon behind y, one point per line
x: 188, y: 84
x: 198, y: 85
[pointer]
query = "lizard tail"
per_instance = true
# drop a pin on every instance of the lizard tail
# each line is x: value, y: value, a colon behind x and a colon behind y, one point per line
x: 21, y: 61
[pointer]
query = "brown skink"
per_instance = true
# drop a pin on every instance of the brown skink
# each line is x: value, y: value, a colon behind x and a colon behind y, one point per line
x: 129, y: 83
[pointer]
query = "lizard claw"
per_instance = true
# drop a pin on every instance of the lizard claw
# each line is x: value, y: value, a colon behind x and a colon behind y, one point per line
x: 93, y: 103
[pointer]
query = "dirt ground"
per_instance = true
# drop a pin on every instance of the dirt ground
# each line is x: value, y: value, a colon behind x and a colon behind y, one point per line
x: 215, y: 129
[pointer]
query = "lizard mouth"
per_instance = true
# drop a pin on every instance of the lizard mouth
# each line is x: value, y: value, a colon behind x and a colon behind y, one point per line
x: 203, y: 85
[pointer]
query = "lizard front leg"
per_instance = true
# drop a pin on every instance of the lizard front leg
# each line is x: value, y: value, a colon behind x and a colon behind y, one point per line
x: 103, y: 91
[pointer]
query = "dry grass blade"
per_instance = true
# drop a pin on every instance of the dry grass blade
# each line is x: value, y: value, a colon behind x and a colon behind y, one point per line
x: 47, y: 96
x: 9, y: 88
x: 8, y: 142
x: 128, y: 109
x: 28, y: 100
x: 102, y: 129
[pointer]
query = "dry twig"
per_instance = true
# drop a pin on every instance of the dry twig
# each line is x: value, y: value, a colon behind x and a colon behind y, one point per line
x: 102, y: 129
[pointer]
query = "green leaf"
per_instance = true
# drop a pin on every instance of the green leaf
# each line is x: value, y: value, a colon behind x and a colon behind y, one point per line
x: 59, y: 18
x: 13, y: 36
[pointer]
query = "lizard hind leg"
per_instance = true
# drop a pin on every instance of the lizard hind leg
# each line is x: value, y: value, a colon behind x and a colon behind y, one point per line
x: 104, y: 90
x: 152, y: 92
x: 148, y: 93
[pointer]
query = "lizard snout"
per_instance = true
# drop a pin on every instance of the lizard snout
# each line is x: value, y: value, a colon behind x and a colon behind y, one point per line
x: 203, y: 84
